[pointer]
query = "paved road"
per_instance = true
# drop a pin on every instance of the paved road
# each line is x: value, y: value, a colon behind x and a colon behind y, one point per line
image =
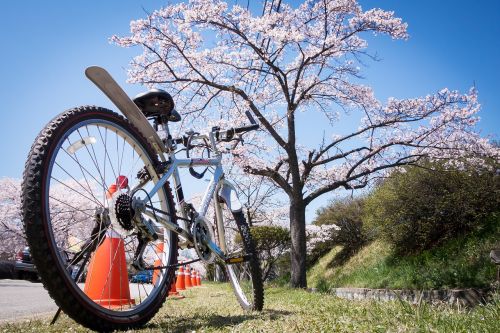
x: 21, y: 299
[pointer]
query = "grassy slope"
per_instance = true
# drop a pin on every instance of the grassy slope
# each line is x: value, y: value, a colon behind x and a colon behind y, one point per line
x: 213, y: 308
x: 462, y: 262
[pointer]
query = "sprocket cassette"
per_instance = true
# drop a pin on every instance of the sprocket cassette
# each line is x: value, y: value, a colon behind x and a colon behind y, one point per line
x: 121, y: 213
x: 124, y: 212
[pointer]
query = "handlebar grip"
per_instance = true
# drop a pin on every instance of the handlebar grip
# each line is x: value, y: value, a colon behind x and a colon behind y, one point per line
x: 246, y: 128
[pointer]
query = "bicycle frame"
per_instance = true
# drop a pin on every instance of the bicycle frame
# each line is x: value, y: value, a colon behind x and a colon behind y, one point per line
x: 217, y: 183
x: 101, y: 78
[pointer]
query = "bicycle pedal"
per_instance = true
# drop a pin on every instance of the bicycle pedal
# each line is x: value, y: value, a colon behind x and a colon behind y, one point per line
x: 237, y: 260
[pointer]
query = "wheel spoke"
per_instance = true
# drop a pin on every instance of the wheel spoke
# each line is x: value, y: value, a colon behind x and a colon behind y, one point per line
x: 72, y: 189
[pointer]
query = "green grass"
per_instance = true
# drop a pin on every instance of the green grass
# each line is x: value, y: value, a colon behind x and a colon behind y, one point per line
x: 460, y: 263
x: 213, y: 308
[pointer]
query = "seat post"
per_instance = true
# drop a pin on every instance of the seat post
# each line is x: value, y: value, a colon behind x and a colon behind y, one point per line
x: 161, y: 127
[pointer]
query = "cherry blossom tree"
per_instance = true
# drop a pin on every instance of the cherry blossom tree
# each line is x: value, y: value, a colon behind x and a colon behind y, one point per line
x: 11, y: 227
x: 221, y: 60
x: 70, y: 224
x: 261, y: 199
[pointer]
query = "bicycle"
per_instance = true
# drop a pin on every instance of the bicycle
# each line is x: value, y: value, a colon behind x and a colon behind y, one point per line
x: 93, y: 175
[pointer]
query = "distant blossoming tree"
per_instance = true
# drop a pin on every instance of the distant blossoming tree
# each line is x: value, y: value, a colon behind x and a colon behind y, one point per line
x: 68, y: 222
x: 11, y: 228
x: 221, y: 61
x: 261, y: 199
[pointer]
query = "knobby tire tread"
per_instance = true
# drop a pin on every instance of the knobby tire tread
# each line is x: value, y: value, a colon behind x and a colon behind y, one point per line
x: 38, y: 238
x: 249, y: 245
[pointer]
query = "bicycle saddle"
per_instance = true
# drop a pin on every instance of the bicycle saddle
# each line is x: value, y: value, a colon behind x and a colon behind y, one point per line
x: 157, y: 102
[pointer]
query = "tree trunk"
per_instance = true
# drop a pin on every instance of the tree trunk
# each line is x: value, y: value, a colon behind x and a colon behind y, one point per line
x: 219, y: 274
x: 298, y: 250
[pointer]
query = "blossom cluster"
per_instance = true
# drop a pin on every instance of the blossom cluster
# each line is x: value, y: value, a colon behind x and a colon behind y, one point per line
x: 319, y: 234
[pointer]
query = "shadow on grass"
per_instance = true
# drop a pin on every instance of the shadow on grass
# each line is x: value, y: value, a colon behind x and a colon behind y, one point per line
x: 344, y: 255
x: 194, y: 323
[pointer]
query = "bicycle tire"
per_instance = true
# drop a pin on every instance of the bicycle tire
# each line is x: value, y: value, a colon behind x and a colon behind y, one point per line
x: 40, y: 237
x: 251, y: 299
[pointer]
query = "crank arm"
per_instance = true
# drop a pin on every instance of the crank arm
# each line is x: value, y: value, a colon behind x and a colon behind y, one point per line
x: 215, y: 249
x: 185, y: 234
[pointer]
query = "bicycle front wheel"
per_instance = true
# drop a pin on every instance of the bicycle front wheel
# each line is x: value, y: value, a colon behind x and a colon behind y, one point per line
x: 80, y: 176
x: 246, y: 276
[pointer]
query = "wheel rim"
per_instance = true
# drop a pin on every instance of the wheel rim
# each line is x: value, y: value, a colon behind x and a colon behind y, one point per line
x: 241, y: 279
x: 88, y: 158
x: 239, y: 274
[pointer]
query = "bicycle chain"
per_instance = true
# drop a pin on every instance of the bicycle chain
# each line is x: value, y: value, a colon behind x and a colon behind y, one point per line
x: 172, y: 266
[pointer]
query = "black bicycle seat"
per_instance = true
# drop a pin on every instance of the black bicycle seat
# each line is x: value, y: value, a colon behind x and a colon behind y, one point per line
x: 157, y: 102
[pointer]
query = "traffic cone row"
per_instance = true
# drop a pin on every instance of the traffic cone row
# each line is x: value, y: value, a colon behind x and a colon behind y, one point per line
x: 185, y: 279
x: 191, y: 278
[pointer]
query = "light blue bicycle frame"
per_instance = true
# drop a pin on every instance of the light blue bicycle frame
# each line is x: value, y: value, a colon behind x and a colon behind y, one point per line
x: 217, y: 184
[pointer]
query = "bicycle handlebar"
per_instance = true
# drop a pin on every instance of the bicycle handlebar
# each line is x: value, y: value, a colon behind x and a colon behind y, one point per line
x: 226, y: 135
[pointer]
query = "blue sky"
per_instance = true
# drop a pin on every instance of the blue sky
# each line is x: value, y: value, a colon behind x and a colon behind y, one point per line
x: 46, y: 45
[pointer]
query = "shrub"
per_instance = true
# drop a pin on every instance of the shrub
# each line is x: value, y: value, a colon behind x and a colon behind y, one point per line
x: 346, y: 214
x: 272, y: 243
x: 418, y: 208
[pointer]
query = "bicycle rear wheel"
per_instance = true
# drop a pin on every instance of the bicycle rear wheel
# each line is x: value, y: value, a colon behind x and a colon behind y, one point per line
x: 79, y: 176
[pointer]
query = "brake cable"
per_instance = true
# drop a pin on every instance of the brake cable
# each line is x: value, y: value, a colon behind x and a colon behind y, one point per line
x: 188, y: 147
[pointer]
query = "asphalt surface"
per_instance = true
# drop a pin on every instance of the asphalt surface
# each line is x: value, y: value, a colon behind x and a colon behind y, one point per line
x: 24, y: 300
x: 21, y: 299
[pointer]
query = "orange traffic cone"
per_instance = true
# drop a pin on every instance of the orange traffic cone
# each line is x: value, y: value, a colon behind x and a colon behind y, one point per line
x: 187, y: 277
x: 121, y: 182
x: 180, y: 285
x: 173, y: 291
x: 198, y: 279
x: 158, y: 262
x: 193, y: 278
x: 111, y: 190
x: 107, y: 277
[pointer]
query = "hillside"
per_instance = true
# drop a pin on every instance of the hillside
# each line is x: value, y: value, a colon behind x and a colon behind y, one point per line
x: 461, y: 262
